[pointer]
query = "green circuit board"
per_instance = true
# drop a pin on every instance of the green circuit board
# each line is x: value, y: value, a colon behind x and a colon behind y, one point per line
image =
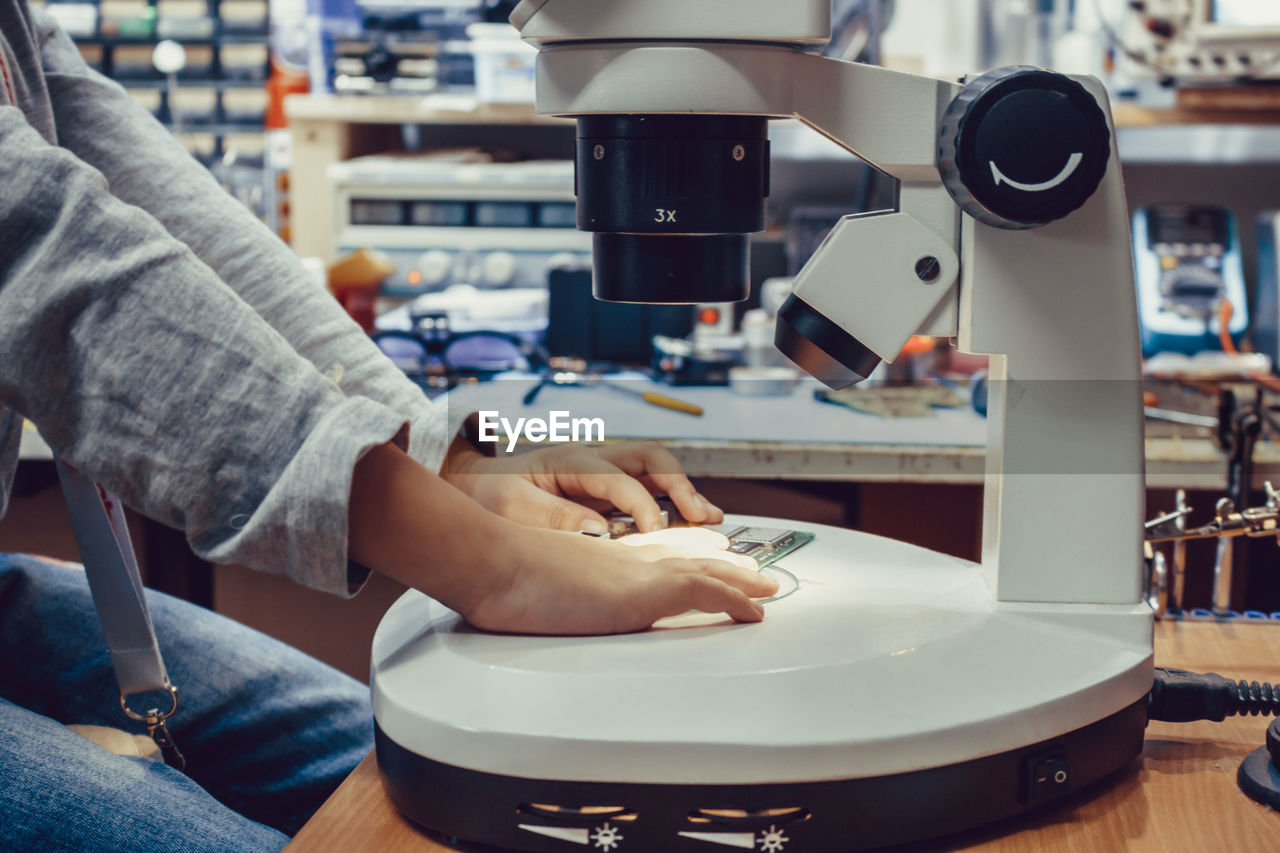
x: 765, y: 545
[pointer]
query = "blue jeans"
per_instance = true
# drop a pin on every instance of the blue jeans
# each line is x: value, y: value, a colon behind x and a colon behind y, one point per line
x: 268, y: 732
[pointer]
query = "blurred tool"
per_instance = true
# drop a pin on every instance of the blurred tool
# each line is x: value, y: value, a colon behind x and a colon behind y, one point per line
x: 1239, y: 427
x: 1179, y: 554
x: 588, y: 380
x: 678, y: 361
x: 895, y: 401
x: 1229, y: 523
x: 1184, y: 418
x: 1187, y: 260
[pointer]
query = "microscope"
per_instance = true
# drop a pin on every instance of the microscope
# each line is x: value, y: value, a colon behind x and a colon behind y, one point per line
x: 898, y: 693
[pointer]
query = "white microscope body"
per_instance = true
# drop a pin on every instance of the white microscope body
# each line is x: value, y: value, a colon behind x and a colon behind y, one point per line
x: 899, y: 693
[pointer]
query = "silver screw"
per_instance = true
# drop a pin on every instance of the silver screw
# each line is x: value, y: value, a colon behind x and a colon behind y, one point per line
x: 739, y: 153
x: 599, y: 152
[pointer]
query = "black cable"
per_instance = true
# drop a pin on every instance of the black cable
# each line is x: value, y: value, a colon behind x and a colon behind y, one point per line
x: 1179, y: 696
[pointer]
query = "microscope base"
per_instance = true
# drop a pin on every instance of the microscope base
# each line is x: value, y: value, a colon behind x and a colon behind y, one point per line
x: 889, y: 696
x: 841, y: 815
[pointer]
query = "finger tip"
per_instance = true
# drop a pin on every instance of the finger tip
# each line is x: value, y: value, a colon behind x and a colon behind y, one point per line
x: 595, y: 526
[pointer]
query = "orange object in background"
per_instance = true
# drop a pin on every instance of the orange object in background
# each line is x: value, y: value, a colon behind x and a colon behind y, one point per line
x: 1225, y: 310
x: 355, y: 279
x: 917, y: 345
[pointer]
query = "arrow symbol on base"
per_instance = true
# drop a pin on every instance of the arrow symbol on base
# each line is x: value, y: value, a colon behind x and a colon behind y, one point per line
x: 743, y: 840
x: 577, y: 836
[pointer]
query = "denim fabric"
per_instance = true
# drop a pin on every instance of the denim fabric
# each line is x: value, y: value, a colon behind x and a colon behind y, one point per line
x: 268, y: 732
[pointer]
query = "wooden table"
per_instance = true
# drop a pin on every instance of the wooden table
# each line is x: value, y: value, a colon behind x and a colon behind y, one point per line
x: 1180, y: 794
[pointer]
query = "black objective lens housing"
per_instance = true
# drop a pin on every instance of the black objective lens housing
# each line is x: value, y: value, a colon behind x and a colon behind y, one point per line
x: 671, y: 200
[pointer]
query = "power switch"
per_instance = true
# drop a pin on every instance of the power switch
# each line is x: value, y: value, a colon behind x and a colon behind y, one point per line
x: 1047, y: 777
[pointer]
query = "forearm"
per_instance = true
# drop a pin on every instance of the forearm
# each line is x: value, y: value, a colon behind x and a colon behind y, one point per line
x: 411, y: 525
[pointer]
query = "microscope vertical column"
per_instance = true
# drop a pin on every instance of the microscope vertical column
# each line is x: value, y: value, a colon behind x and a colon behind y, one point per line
x: 1056, y: 308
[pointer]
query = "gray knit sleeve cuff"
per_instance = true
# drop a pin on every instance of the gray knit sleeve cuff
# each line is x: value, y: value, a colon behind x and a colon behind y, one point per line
x: 433, y: 430
x: 300, y: 527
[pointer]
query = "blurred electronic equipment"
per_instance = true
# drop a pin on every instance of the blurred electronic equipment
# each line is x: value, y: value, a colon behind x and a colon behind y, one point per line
x: 378, y: 66
x: 1204, y: 41
x: 1266, y: 319
x: 1187, y: 259
x: 696, y: 361
x: 402, y: 46
x: 444, y: 222
x: 582, y: 327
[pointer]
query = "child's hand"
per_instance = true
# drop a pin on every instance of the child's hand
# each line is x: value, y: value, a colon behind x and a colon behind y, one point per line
x: 412, y: 526
x: 567, y: 583
x: 562, y: 487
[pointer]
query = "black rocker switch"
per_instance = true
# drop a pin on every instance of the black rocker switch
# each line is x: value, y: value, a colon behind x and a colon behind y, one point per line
x: 1047, y: 776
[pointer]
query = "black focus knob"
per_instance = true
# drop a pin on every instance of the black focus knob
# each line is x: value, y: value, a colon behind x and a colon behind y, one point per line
x: 1020, y: 147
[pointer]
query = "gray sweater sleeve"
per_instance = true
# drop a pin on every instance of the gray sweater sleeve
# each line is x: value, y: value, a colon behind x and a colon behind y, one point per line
x: 140, y: 366
x: 102, y: 125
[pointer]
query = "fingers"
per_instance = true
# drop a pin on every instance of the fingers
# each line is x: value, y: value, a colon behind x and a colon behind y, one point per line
x: 596, y: 477
x: 655, y: 463
x: 529, y: 505
x: 673, y: 594
x: 692, y: 543
x: 751, y: 581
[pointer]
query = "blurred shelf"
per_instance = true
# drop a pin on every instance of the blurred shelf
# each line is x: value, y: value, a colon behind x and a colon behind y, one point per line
x: 190, y: 83
x: 1128, y: 114
x: 409, y: 109
x: 218, y: 128
x: 1200, y: 144
x: 204, y: 41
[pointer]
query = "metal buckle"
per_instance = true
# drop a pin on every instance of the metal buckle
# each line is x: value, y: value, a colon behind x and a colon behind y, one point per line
x: 154, y: 715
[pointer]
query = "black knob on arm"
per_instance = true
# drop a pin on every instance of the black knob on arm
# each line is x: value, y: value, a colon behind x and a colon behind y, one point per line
x: 1021, y: 146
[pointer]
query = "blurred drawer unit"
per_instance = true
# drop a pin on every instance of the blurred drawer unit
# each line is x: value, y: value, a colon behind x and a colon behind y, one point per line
x: 445, y: 222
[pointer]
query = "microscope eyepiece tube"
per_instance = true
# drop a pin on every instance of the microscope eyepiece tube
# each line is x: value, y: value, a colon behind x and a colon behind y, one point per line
x: 671, y: 200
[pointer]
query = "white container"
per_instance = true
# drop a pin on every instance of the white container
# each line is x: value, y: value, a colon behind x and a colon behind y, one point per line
x: 504, y: 64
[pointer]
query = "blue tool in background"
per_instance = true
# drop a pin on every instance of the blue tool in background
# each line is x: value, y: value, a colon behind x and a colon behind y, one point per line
x: 1187, y: 259
x: 1266, y: 323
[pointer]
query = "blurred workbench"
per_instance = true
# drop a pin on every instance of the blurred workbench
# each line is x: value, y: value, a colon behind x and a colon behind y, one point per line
x: 946, y: 449
x: 1180, y: 794
x: 743, y: 437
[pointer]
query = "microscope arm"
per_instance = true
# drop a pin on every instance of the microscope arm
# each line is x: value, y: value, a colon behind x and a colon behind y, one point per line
x: 888, y: 118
